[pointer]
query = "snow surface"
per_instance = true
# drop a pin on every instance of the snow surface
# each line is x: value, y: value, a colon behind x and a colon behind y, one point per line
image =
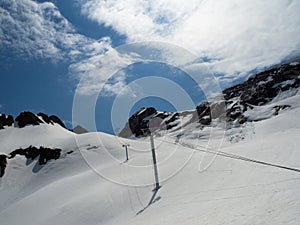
x: 294, y: 63
x: 93, y: 185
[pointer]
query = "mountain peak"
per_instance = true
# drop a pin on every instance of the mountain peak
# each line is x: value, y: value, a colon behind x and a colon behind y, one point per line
x: 235, y: 108
x: 28, y: 118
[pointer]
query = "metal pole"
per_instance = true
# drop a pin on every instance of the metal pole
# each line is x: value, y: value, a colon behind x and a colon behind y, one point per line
x: 126, y: 150
x: 154, y: 162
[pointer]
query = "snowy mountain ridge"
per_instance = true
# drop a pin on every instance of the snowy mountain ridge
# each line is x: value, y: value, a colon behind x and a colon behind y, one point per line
x: 238, y: 106
x: 28, y: 118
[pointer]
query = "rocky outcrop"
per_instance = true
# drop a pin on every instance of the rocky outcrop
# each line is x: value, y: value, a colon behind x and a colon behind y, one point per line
x: 260, y: 89
x: 45, y: 118
x: 79, y: 130
x: 55, y: 119
x: 138, y: 122
x: 47, y: 154
x: 3, y: 163
x: 6, y: 120
x: 256, y: 91
x: 263, y: 87
x: 278, y: 108
x: 43, y: 154
x: 27, y: 118
x: 32, y: 152
x: 149, y: 119
x: 203, y: 111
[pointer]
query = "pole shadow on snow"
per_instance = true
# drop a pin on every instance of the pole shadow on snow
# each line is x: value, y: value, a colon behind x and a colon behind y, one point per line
x: 152, y: 200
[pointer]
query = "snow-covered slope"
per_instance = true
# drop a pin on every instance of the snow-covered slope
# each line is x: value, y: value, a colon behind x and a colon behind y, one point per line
x: 91, y: 184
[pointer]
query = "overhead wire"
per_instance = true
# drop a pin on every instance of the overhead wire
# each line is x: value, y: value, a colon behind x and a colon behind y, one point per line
x: 234, y: 156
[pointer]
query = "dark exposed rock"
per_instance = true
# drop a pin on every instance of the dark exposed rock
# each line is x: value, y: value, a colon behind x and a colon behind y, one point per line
x: 3, y: 163
x: 206, y: 120
x: 203, y: 111
x: 148, y: 119
x: 47, y: 154
x: 263, y: 87
x: 79, y: 130
x: 278, y: 108
x: 27, y: 118
x: 162, y: 115
x: 6, y: 120
x: 138, y: 122
x: 55, y: 119
x: 258, y: 90
x: 32, y: 152
x: 169, y: 123
x: 236, y: 111
x: 45, y: 118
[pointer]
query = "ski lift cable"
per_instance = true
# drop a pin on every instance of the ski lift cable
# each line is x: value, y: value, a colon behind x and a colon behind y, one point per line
x: 233, y: 156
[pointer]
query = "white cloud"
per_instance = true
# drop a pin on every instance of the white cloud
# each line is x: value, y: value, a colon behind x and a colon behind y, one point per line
x: 94, y: 72
x: 243, y: 35
x: 39, y: 30
x: 236, y: 36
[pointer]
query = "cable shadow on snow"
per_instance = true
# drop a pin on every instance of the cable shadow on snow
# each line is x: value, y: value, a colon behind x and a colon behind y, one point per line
x: 152, y: 200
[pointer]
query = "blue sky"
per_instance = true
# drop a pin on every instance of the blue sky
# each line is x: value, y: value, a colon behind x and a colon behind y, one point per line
x: 51, y: 51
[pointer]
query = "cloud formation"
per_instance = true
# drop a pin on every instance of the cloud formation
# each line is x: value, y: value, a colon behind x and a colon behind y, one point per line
x: 232, y: 37
x: 94, y: 73
x: 38, y: 30
x: 236, y: 36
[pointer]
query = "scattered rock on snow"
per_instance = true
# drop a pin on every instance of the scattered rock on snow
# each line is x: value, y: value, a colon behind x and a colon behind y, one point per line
x: 3, y: 163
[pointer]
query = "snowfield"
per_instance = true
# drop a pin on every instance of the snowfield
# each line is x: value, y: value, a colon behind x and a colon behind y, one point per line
x: 93, y: 185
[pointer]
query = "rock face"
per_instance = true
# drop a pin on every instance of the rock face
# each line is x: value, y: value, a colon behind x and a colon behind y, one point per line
x: 32, y: 152
x: 55, y: 119
x: 3, y: 163
x: 278, y: 108
x: 256, y: 91
x: 149, y: 119
x: 6, y: 120
x: 260, y: 89
x: 28, y: 118
x: 45, y: 118
x: 139, y: 123
x: 79, y: 130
